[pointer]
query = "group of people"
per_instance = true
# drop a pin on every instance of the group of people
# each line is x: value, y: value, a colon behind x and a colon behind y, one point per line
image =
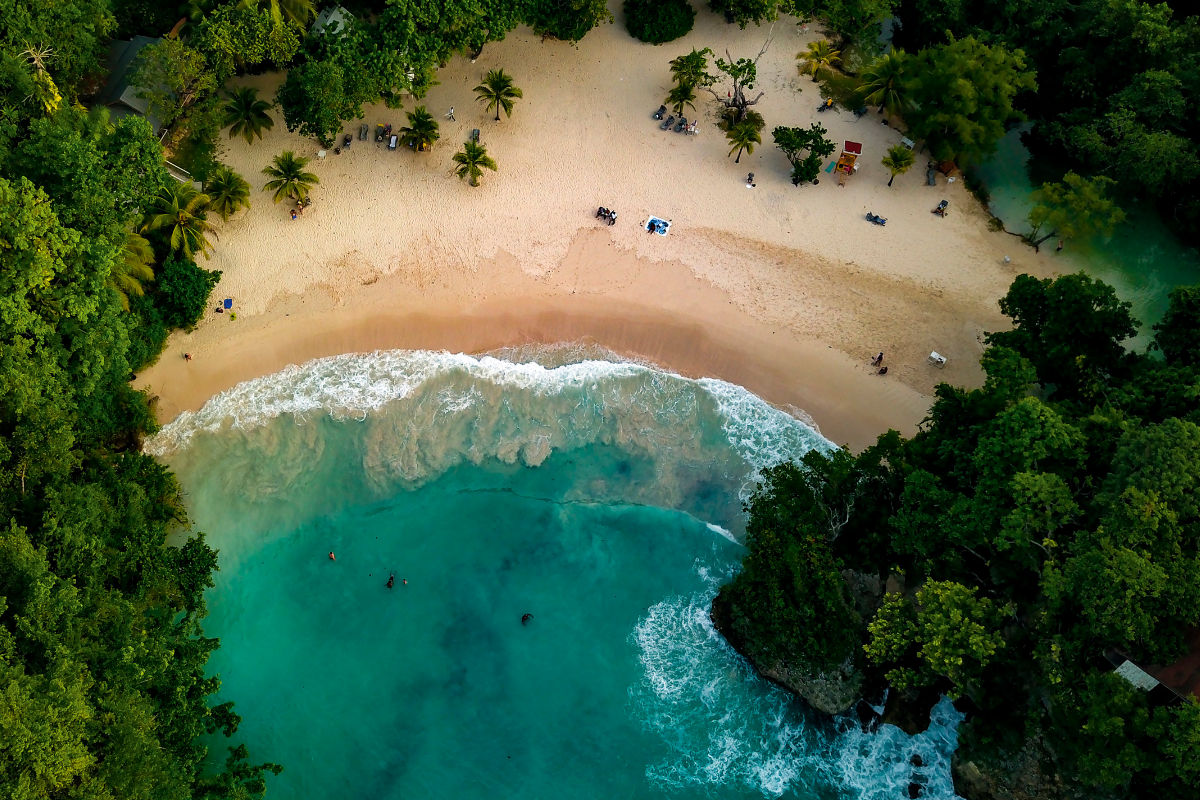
x: 608, y: 214
x: 877, y: 361
x: 298, y: 209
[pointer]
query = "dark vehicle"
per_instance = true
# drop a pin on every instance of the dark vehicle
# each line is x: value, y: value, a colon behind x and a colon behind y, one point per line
x: 662, y: 110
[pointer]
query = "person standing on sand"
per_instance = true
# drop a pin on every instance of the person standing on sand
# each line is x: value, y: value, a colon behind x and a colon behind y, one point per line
x: 877, y: 360
x: 450, y: 114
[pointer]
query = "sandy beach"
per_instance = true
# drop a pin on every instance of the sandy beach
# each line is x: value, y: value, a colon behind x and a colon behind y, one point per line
x: 785, y: 290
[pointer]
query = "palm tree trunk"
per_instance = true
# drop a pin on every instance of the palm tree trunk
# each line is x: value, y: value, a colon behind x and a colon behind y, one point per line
x: 892, y: 179
x: 738, y: 160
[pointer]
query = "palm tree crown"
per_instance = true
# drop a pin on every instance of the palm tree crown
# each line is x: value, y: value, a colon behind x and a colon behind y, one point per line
x: 743, y: 136
x: 682, y: 94
x: 180, y: 210
x: 422, y: 129
x: 296, y: 11
x: 247, y: 115
x: 134, y: 269
x: 288, y: 178
x: 897, y: 160
x: 228, y: 192
x: 819, y: 55
x: 882, y: 82
x: 471, y: 160
x: 498, y: 92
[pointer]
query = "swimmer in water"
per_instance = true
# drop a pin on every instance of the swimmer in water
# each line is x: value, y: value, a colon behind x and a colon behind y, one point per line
x: 391, y: 581
x: 331, y: 556
x: 525, y: 618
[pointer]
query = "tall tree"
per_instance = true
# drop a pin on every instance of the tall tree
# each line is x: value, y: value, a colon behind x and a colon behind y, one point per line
x: 179, y: 213
x: 1075, y: 208
x: 805, y: 149
x: 569, y: 20
x: 962, y: 96
x: 247, y: 115
x: 315, y: 99
x: 744, y: 135
x: 819, y: 55
x: 681, y: 95
x: 422, y: 129
x: 289, y: 180
x: 472, y: 160
x: 883, y: 82
x: 691, y: 69
x: 897, y: 160
x: 228, y: 192
x: 172, y: 78
x: 742, y: 74
x: 135, y: 268
x: 498, y: 92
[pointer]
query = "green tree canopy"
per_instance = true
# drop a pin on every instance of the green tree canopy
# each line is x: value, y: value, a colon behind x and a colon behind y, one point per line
x: 289, y: 180
x: 472, y: 160
x: 1075, y: 208
x: 962, y: 96
x: 247, y: 115
x: 498, y: 92
x: 897, y: 160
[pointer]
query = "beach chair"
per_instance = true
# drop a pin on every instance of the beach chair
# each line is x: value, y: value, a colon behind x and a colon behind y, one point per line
x: 362, y: 132
x: 475, y: 135
x: 937, y: 359
x: 392, y: 140
x: 379, y: 132
x: 941, y: 208
x: 666, y: 126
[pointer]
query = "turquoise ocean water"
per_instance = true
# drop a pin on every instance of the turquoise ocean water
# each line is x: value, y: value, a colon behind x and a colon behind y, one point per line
x: 603, y: 498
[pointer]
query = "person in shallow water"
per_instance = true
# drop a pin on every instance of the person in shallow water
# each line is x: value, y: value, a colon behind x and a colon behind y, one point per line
x: 332, y: 557
x: 525, y: 618
x: 391, y: 581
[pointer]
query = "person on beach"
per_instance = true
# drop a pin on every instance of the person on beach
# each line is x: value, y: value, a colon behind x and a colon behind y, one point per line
x: 450, y: 114
x: 187, y: 356
x: 1060, y: 246
x: 525, y: 618
x: 391, y: 581
x: 882, y: 371
x: 877, y: 360
x: 293, y: 215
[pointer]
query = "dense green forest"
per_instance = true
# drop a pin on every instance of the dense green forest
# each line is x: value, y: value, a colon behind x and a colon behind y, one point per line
x: 102, y: 654
x: 1029, y: 528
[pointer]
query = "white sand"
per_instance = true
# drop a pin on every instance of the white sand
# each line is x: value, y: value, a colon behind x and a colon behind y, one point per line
x: 790, y: 283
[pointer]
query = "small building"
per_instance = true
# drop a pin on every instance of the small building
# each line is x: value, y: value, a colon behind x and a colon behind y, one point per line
x: 334, y: 19
x: 1165, y: 683
x: 119, y: 95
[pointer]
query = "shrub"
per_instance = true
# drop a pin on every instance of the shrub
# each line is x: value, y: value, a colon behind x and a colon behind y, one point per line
x: 183, y: 290
x: 658, y: 21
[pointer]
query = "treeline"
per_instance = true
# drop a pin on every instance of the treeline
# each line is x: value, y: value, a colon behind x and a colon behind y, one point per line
x: 102, y: 655
x: 1031, y: 527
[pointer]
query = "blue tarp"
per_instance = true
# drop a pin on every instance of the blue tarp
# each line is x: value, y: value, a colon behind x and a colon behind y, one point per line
x: 663, y: 225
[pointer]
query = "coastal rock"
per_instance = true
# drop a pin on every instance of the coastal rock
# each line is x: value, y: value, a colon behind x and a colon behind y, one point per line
x: 909, y: 711
x: 831, y: 692
x: 1026, y: 775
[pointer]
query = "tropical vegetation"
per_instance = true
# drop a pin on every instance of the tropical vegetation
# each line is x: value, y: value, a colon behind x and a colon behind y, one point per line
x: 247, y: 115
x: 227, y: 192
x: 819, y: 56
x: 658, y: 21
x: 289, y: 180
x: 897, y: 160
x: 1031, y: 527
x: 472, y: 160
x: 498, y: 92
x: 179, y: 213
x: 421, y: 131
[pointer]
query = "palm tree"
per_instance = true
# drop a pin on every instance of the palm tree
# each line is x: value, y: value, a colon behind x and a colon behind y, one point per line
x: 247, y: 115
x: 691, y: 69
x: 882, y: 82
x: 682, y: 95
x: 498, y: 92
x: 135, y: 268
x: 820, y: 55
x: 296, y: 11
x: 228, y: 192
x: 743, y: 136
x: 422, y: 129
x: 288, y: 178
x: 180, y: 211
x: 898, y: 159
x: 471, y: 159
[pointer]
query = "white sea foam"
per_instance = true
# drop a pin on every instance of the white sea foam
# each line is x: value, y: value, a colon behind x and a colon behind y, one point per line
x: 745, y: 732
x: 455, y: 407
